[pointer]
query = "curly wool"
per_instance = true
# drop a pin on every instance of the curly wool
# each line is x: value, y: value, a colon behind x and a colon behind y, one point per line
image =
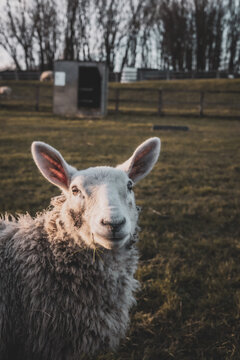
x: 58, y: 298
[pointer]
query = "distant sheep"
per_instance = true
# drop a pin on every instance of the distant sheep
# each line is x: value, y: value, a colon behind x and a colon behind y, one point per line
x: 5, y: 92
x: 67, y: 276
x: 46, y: 76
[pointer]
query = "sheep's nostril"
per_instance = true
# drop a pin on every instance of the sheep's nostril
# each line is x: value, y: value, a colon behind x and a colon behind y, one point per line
x: 114, y: 225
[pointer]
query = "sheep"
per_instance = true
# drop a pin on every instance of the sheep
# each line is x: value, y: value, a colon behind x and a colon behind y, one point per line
x: 5, y: 92
x: 67, y: 276
x: 46, y: 76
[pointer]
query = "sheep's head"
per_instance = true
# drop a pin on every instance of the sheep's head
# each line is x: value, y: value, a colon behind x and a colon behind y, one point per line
x: 100, y: 205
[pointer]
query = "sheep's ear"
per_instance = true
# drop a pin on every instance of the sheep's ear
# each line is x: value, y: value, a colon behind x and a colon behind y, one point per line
x: 142, y: 160
x: 51, y: 164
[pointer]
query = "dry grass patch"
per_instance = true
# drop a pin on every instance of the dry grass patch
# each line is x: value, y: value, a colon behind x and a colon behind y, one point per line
x: 189, y: 304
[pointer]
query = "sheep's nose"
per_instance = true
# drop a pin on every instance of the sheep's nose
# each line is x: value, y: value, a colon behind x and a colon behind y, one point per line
x: 114, y: 225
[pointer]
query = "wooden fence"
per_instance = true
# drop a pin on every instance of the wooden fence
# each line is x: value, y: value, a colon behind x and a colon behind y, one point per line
x: 28, y: 95
x: 155, y: 74
x: 35, y: 96
x: 163, y: 101
x: 142, y: 74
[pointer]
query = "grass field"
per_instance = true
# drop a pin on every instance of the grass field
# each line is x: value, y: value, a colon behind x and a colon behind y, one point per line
x: 189, y: 304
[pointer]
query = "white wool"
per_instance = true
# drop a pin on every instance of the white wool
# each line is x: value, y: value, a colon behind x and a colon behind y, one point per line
x: 5, y: 91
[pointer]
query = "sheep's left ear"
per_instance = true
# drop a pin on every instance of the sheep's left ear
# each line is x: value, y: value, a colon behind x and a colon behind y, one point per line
x: 143, y: 159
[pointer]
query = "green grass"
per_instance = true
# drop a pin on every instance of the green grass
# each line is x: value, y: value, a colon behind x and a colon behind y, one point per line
x: 189, y: 304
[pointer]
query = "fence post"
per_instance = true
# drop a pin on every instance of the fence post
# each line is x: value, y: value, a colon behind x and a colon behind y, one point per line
x: 201, y: 103
x: 37, y: 97
x: 160, y: 102
x: 117, y: 101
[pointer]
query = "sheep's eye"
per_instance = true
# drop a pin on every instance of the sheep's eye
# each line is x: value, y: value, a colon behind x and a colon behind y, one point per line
x: 75, y: 190
x: 130, y: 185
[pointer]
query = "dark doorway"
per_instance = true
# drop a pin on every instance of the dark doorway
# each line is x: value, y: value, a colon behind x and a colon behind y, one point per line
x: 89, y: 87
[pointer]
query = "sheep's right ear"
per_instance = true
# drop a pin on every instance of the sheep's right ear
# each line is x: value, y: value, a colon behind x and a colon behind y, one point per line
x: 52, y: 165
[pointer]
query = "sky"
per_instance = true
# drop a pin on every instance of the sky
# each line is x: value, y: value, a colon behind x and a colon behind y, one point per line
x: 5, y: 59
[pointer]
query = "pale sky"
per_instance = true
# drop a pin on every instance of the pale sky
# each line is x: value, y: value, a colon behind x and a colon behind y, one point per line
x: 5, y: 59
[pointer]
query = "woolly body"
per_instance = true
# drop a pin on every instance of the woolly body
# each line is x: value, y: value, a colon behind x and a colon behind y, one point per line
x: 5, y: 91
x: 67, y: 276
x: 89, y: 292
x: 46, y: 75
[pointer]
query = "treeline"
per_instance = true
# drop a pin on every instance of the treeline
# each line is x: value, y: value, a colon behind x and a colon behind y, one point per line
x: 181, y: 35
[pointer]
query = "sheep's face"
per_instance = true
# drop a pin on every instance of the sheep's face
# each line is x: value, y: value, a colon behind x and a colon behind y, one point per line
x: 100, y: 205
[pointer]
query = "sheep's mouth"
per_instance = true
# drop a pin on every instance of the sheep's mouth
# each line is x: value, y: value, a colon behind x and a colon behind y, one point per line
x: 110, y: 241
x: 114, y: 238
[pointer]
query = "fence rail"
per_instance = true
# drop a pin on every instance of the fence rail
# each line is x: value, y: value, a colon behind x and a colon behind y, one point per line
x: 28, y: 95
x: 36, y: 96
x: 159, y: 100
x: 19, y: 75
x: 155, y: 74
x: 141, y: 74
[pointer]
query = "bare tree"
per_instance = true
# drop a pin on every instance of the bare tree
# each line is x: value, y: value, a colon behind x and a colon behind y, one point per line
x: 10, y: 44
x: 176, y: 33
x: 233, y: 35
x: 44, y: 14
x: 78, y: 31
x: 201, y: 29
x: 18, y: 30
x: 84, y: 30
x: 219, y: 25
x: 188, y: 34
x: 110, y: 27
x: 70, y: 52
x: 147, y: 22
x: 215, y: 23
x: 132, y: 30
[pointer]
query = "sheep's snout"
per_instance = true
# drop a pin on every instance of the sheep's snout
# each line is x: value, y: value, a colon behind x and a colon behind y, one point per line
x: 111, y: 228
x: 113, y: 225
